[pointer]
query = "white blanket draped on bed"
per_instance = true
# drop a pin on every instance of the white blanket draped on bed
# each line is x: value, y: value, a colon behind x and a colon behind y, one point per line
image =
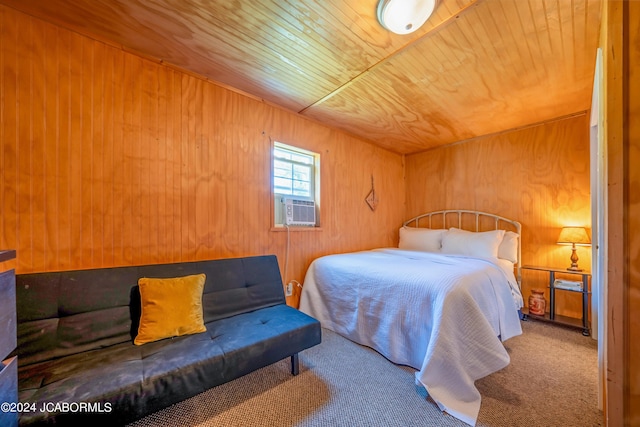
x: 444, y: 315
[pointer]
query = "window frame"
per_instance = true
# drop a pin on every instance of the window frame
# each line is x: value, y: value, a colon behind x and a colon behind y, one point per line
x: 314, y: 191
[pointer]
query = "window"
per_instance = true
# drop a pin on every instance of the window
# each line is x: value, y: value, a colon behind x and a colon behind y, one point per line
x: 295, y: 179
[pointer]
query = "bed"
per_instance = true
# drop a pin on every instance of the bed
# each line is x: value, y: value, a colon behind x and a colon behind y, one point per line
x: 442, y: 302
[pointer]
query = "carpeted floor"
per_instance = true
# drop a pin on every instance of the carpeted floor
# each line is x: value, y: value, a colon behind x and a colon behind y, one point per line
x: 551, y: 381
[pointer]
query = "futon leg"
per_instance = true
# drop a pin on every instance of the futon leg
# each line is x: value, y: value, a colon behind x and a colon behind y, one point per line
x: 295, y: 366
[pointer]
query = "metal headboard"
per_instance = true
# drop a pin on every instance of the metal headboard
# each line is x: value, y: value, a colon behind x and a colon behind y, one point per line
x: 517, y: 227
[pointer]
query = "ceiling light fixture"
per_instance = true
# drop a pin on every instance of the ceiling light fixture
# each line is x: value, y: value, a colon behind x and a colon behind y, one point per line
x: 404, y: 16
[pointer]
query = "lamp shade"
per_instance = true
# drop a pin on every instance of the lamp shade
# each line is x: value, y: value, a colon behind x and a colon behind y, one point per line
x: 574, y: 235
x: 404, y: 16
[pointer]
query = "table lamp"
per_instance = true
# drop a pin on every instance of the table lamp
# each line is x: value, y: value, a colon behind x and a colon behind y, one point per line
x: 574, y: 236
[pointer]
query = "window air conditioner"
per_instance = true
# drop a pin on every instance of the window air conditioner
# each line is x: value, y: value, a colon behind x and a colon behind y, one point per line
x: 299, y: 212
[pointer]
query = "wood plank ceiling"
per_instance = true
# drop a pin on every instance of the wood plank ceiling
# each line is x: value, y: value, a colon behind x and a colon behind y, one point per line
x: 476, y: 67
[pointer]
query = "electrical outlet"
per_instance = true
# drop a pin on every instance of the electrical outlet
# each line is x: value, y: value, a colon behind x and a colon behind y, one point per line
x: 289, y: 290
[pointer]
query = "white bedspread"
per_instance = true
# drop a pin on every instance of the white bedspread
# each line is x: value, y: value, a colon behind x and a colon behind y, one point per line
x: 443, y: 315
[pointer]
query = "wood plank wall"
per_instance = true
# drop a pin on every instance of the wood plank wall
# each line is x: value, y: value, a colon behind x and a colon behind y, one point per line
x: 615, y: 363
x: 537, y: 175
x: 619, y: 41
x: 632, y: 214
x: 109, y: 159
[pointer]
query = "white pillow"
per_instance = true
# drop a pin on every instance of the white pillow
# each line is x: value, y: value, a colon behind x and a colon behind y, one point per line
x: 462, y: 242
x: 508, y: 249
x: 420, y: 239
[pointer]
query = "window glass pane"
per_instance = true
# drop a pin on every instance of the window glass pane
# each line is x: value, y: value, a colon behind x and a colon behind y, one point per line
x: 278, y: 152
x: 301, y: 158
x: 293, y: 172
x: 282, y: 169
x: 302, y: 173
x: 301, y: 188
x: 282, y: 185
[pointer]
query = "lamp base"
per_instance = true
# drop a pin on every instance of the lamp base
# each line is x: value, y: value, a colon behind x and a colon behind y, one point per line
x: 574, y: 260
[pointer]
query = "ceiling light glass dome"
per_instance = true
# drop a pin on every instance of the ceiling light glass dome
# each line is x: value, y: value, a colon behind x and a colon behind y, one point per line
x: 404, y: 16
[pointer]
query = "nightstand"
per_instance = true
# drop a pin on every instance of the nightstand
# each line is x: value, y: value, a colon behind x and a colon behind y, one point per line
x: 584, y: 290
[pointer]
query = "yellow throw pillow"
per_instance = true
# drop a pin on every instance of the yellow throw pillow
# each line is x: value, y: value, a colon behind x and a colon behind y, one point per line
x: 170, y: 308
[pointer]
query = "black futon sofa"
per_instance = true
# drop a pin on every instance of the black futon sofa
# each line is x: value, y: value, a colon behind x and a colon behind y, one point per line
x: 76, y: 355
